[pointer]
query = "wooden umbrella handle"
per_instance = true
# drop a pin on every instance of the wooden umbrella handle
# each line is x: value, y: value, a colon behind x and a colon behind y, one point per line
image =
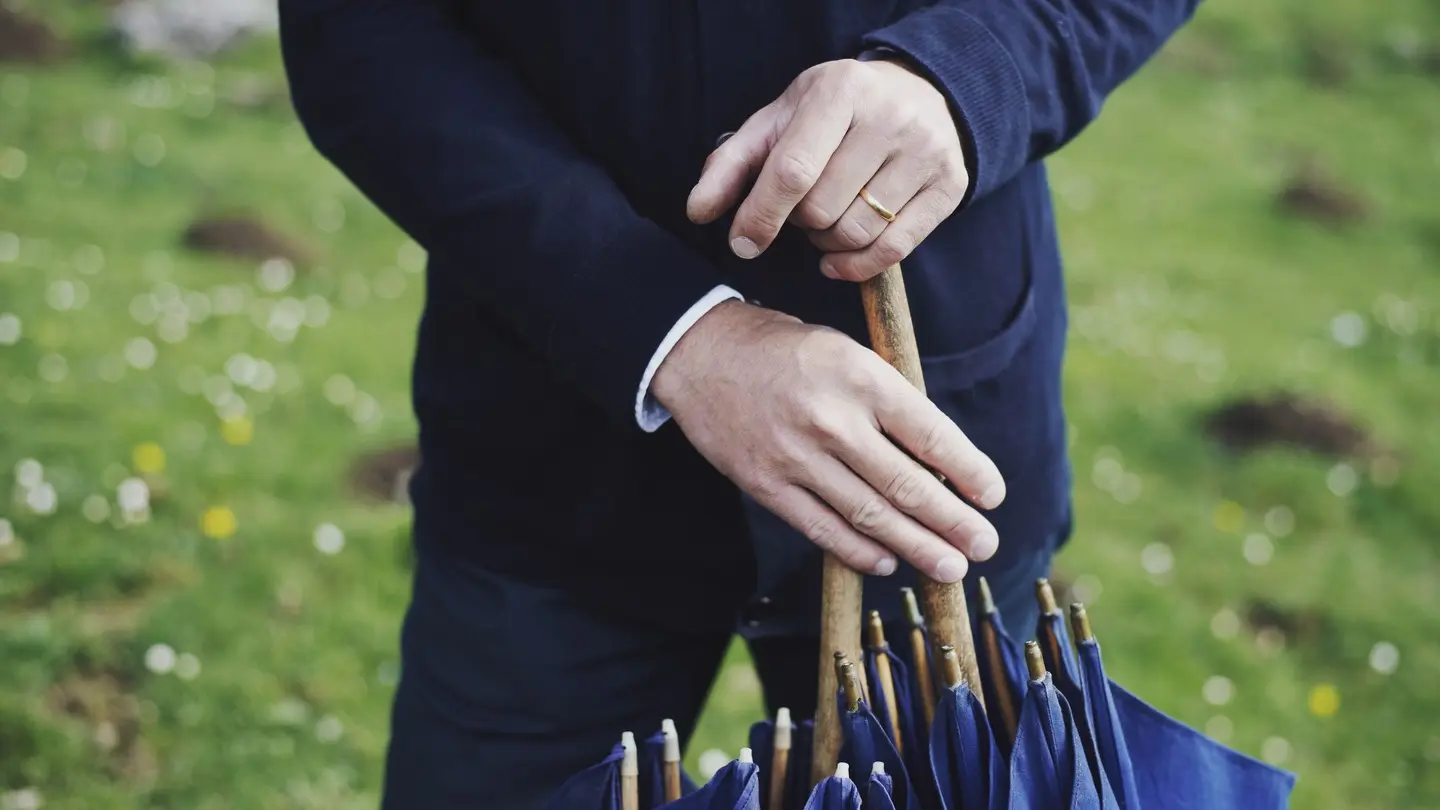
x: 892, y: 335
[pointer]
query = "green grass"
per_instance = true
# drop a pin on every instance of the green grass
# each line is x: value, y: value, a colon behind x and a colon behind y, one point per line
x: 1189, y: 289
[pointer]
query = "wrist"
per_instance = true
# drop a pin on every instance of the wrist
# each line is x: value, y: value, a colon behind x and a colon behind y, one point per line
x: 719, y: 332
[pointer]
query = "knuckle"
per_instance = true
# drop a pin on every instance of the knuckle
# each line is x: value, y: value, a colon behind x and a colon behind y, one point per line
x: 814, y: 215
x: 931, y: 443
x: 852, y: 234
x: 822, y: 531
x: 893, y: 246
x: 905, y: 489
x: 868, y: 515
x: 795, y: 174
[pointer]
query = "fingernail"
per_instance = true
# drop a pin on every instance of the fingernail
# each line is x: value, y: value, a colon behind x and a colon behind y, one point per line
x: 984, y: 545
x: 885, y: 567
x: 950, y: 569
x: 744, y: 248
x: 993, y: 497
x: 828, y: 270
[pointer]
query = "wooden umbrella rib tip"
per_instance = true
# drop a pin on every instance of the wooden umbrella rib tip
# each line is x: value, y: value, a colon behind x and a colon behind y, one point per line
x: 1080, y: 623
x: 987, y: 599
x: 1034, y: 660
x: 1045, y: 595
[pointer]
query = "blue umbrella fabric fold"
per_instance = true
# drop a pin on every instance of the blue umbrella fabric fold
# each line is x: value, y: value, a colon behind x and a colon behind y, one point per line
x: 1001, y: 663
x: 865, y: 743
x: 1182, y: 769
x: 1110, y: 744
x: 1065, y: 670
x: 797, y: 775
x: 911, y: 717
x: 734, y: 787
x: 880, y: 792
x: 1047, y: 766
x: 967, y: 765
x: 595, y: 788
x: 834, y: 793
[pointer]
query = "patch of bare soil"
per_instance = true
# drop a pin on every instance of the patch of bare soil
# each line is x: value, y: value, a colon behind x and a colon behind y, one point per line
x: 1314, y: 195
x: 243, y: 237
x: 27, y: 39
x: 1288, y: 419
x: 105, y: 702
x: 385, y: 475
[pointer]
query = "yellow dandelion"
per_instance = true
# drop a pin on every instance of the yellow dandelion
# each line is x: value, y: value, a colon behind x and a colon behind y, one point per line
x: 1324, y: 700
x: 218, y: 522
x: 1229, y: 516
x: 149, y: 458
x: 237, y: 431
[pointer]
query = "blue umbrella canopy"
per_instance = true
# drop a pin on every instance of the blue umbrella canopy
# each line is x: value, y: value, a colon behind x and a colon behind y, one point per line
x: 968, y: 767
x: 1047, y: 766
x: 835, y: 792
x: 865, y: 739
x: 1080, y: 741
x: 880, y: 791
x: 1002, y: 670
x: 734, y: 787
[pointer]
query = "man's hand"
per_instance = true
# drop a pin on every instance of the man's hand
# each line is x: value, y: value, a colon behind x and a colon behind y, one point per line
x: 839, y: 128
x: 812, y: 425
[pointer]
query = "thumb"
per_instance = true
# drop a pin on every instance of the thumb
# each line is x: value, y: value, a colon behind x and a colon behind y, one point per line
x: 732, y: 167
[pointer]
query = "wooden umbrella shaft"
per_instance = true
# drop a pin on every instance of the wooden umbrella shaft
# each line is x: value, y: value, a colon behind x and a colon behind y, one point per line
x: 892, y: 335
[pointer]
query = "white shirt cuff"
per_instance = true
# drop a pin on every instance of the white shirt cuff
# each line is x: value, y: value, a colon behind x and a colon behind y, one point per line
x: 649, y: 413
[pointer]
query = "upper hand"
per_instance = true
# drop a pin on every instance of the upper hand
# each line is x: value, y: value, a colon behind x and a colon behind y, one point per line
x: 840, y: 127
x: 826, y: 435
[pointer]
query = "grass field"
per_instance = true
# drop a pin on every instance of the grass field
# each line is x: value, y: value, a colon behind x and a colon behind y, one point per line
x: 197, y: 611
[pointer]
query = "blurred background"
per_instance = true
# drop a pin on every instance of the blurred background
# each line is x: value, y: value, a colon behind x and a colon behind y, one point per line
x: 205, y: 433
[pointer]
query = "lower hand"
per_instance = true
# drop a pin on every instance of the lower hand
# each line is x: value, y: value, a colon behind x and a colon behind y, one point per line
x: 840, y: 128
x: 817, y: 429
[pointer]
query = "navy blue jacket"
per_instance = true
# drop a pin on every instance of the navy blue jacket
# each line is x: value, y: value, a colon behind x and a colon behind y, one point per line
x: 542, y: 151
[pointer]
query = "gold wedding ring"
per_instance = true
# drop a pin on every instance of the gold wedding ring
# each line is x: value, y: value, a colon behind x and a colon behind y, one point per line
x: 885, y: 213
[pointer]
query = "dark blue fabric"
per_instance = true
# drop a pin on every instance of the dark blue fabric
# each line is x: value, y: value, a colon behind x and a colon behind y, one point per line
x: 797, y: 775
x: 912, y: 738
x: 880, y: 792
x: 541, y: 153
x: 1064, y: 667
x: 1178, y: 768
x: 734, y: 787
x: 1002, y: 674
x: 652, y: 772
x: 1110, y: 745
x: 834, y: 793
x: 867, y: 743
x: 968, y: 767
x: 1047, y: 766
x: 595, y: 788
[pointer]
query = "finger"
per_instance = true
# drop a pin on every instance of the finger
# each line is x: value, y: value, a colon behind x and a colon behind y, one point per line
x: 916, y: 424
x: 921, y: 216
x: 870, y: 514
x: 822, y: 526
x: 893, y: 186
x: 791, y: 170
x: 732, y: 166
x: 859, y: 158
x: 915, y: 491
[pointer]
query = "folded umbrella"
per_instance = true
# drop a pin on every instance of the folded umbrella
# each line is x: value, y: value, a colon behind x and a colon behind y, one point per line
x: 782, y: 749
x: 880, y: 792
x: 865, y: 741
x: 1047, y: 766
x: 1173, y: 767
x: 1002, y: 669
x: 835, y: 792
x: 734, y: 787
x: 967, y: 766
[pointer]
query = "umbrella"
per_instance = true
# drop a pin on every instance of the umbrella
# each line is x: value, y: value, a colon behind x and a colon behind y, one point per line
x: 616, y: 783
x: 835, y: 792
x: 1038, y: 727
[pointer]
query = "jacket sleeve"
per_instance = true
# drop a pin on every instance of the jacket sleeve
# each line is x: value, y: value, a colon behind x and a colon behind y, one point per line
x: 447, y: 141
x: 1026, y: 76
